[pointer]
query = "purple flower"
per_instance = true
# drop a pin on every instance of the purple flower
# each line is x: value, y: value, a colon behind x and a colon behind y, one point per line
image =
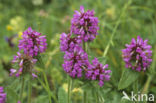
x: 32, y: 42
x: 25, y: 64
x: 18, y: 102
x: 2, y: 95
x: 98, y: 72
x: 85, y: 24
x: 75, y: 62
x: 68, y: 43
x: 137, y: 55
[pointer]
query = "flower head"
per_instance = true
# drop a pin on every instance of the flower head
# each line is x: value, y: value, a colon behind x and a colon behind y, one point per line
x: 85, y: 24
x: 137, y: 55
x: 32, y: 42
x: 75, y: 62
x: 2, y: 95
x: 98, y: 72
x: 68, y: 43
x: 25, y: 64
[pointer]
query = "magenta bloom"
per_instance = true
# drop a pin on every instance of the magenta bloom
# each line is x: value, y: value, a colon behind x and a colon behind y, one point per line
x: 32, y: 42
x: 85, y: 24
x: 98, y: 72
x: 75, y: 62
x: 25, y: 64
x: 2, y: 95
x: 68, y: 43
x: 137, y: 55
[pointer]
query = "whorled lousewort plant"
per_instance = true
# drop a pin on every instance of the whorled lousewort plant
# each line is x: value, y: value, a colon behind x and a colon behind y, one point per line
x: 137, y: 55
x: 31, y: 44
x: 2, y: 95
x: 84, y: 28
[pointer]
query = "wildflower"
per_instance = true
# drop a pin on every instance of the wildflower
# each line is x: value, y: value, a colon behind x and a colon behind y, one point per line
x: 68, y: 43
x: 9, y: 28
x: 2, y: 95
x: 25, y: 64
x: 77, y: 90
x: 75, y: 62
x: 137, y: 55
x: 32, y: 42
x: 110, y: 12
x: 20, y: 34
x: 85, y: 24
x: 98, y: 71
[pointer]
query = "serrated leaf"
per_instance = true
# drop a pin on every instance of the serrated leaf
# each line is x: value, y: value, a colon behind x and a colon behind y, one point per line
x: 62, y: 96
x: 127, y: 78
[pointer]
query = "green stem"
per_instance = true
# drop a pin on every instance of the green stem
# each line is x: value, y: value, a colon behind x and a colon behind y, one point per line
x: 115, y: 28
x: 84, y: 97
x: 85, y: 47
x: 135, y: 88
x: 47, y: 86
x: 29, y: 91
x: 146, y: 87
x: 22, y: 89
x: 69, y: 89
x: 97, y: 97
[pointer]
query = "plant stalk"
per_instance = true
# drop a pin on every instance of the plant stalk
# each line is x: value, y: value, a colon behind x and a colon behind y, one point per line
x: 69, y: 89
x: 29, y: 91
x: 22, y: 89
x: 84, y: 97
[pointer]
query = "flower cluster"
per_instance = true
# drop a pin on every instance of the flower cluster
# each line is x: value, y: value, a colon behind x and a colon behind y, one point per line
x: 98, y: 71
x: 25, y: 64
x: 68, y: 43
x: 2, y: 95
x: 85, y: 24
x: 137, y: 55
x: 76, y: 63
x: 32, y: 43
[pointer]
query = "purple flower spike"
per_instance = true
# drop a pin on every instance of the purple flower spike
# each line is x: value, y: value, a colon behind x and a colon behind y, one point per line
x: 32, y: 42
x: 25, y: 64
x: 85, y: 24
x: 75, y: 62
x: 137, y: 55
x: 68, y: 43
x: 98, y: 72
x: 2, y: 95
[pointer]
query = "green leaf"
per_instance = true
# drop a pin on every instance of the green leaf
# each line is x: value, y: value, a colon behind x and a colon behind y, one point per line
x: 41, y: 99
x: 128, y: 77
x: 62, y: 96
x: 12, y: 96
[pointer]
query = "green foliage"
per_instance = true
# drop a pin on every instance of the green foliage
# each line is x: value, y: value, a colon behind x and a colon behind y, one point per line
x: 128, y: 77
x: 62, y: 96
x: 12, y: 96
x: 119, y: 22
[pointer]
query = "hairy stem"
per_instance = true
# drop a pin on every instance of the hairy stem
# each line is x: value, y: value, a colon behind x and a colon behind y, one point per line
x: 69, y: 89
x: 22, y: 89
x: 29, y: 91
x: 84, y: 97
x: 47, y: 86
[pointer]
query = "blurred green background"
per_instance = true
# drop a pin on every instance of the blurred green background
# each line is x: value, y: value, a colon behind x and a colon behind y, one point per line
x: 120, y: 21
